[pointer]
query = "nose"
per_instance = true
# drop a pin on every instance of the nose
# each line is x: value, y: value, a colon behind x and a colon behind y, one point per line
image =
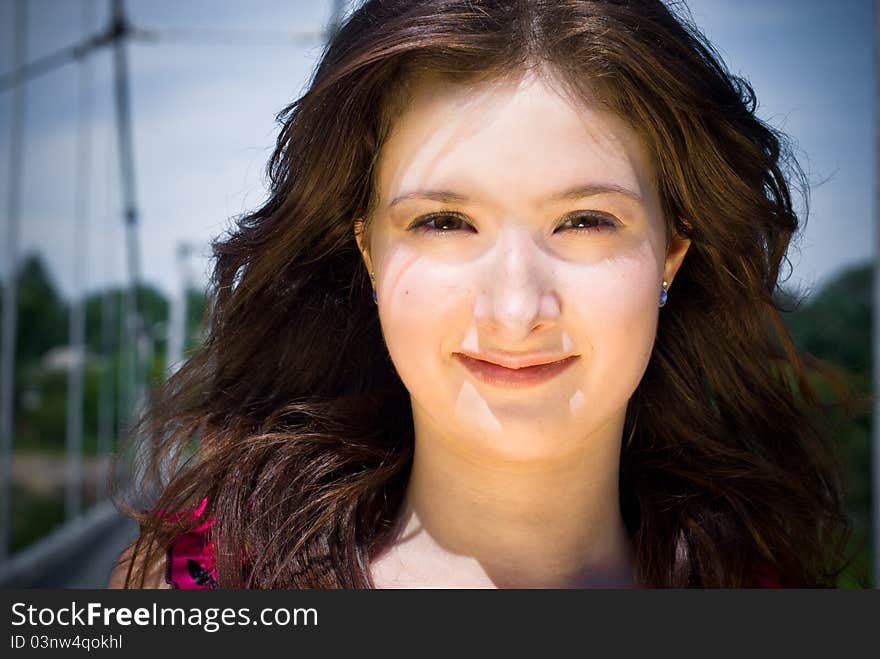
x: 517, y: 293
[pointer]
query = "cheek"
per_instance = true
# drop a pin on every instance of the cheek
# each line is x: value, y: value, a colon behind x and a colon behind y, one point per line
x: 619, y: 290
x: 418, y: 297
x: 613, y: 312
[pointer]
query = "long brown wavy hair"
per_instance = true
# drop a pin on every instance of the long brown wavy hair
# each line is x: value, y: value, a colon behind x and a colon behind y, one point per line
x: 293, y: 423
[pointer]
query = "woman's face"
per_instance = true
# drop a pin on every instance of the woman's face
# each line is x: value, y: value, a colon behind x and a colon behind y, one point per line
x: 515, y: 228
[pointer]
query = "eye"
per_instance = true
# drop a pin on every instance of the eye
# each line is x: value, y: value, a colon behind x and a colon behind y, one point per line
x: 440, y: 223
x: 582, y: 222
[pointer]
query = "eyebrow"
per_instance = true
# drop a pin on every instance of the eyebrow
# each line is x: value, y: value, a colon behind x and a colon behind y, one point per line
x: 577, y: 192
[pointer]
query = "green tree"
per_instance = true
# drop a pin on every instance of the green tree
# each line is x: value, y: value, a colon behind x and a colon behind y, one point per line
x: 835, y: 326
x: 42, y: 314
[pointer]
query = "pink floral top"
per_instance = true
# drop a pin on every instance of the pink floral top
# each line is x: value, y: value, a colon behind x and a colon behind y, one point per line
x: 190, y: 561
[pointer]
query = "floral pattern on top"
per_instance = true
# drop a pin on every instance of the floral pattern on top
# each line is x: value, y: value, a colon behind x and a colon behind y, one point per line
x: 190, y: 560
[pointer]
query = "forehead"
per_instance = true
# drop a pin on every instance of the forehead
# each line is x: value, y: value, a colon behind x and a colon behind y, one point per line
x: 505, y: 140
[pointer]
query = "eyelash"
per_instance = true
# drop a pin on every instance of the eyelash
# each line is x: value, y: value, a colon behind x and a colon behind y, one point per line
x: 602, y: 222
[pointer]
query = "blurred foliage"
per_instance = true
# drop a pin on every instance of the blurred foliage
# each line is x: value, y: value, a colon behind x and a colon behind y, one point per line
x: 41, y: 374
x: 42, y: 329
x: 42, y: 314
x: 33, y: 516
x: 835, y: 326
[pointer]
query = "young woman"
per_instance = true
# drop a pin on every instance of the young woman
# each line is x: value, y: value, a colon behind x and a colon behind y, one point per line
x: 506, y: 320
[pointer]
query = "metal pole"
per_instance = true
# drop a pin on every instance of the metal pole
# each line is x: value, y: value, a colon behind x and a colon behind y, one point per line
x: 126, y: 160
x: 110, y: 394
x: 10, y: 284
x: 177, y: 325
x: 875, y: 480
x: 74, y: 481
x: 105, y: 388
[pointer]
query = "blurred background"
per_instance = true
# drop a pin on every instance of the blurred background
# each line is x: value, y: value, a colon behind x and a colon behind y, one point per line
x: 132, y: 131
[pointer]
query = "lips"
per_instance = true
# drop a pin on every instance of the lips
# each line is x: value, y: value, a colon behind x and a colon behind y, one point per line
x: 515, y: 371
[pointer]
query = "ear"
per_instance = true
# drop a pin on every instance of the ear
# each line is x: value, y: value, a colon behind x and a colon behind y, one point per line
x: 360, y: 238
x: 675, y: 252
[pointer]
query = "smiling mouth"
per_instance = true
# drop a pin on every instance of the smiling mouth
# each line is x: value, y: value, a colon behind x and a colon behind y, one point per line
x: 525, y: 376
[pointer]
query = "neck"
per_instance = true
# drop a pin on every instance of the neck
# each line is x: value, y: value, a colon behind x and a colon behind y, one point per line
x: 477, y: 519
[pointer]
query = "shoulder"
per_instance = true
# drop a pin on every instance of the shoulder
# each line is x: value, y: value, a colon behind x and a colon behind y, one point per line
x: 149, y: 562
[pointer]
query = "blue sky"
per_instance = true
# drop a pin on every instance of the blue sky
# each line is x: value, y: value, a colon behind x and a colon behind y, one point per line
x: 204, y: 123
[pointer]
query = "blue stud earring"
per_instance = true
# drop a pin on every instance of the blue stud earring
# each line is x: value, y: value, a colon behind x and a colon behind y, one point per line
x: 663, y: 293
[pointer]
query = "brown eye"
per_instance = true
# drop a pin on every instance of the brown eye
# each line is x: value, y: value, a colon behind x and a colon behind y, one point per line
x: 588, y: 222
x: 440, y: 223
